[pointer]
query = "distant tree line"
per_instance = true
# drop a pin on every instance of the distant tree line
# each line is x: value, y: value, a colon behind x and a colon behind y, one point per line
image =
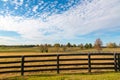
x: 18, y: 46
x: 57, y: 46
x: 87, y: 45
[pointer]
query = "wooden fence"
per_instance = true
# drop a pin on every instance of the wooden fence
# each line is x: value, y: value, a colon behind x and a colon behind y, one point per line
x: 60, y: 62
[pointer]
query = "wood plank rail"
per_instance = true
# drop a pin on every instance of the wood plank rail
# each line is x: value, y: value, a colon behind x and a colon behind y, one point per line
x: 83, y: 61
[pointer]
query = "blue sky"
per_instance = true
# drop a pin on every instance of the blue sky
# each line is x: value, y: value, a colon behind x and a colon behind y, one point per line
x: 59, y: 21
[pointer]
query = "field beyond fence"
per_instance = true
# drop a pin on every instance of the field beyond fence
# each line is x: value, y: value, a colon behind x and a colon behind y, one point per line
x: 59, y: 63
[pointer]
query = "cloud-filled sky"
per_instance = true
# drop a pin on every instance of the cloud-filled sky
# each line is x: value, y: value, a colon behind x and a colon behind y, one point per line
x: 59, y: 21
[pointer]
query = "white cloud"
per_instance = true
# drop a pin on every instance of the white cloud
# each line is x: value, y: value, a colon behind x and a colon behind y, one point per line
x: 35, y: 8
x: 20, y: 2
x: 7, y: 38
x: 80, y: 20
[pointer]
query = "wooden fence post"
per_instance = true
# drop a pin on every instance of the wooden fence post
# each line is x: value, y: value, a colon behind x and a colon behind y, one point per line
x: 115, y: 62
x: 58, y: 71
x: 22, y: 66
x: 119, y: 61
x: 89, y: 63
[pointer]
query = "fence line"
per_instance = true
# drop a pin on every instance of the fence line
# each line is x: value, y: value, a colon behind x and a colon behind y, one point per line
x: 90, y: 64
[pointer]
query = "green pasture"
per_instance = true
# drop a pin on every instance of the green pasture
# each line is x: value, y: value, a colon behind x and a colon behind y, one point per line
x: 86, y: 76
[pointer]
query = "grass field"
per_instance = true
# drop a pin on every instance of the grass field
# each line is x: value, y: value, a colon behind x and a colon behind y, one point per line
x: 53, y: 49
x: 49, y: 62
x: 35, y: 51
x: 93, y: 76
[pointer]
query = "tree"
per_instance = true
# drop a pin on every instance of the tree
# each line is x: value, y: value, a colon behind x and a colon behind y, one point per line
x: 57, y: 46
x: 43, y: 48
x: 74, y: 45
x: 90, y: 45
x: 86, y: 46
x: 49, y: 45
x: 61, y: 45
x: 46, y: 47
x: 98, y: 44
x: 111, y: 45
x: 68, y: 45
x: 81, y: 46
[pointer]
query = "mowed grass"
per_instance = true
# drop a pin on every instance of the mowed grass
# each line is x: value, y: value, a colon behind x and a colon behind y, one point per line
x: 93, y: 76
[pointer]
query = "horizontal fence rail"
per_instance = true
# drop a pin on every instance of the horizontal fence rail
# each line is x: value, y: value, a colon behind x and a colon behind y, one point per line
x: 60, y: 62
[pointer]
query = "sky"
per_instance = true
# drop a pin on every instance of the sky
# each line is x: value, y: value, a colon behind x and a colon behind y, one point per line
x: 59, y: 21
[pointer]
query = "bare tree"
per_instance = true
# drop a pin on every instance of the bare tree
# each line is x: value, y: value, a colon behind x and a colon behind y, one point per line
x: 98, y: 44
